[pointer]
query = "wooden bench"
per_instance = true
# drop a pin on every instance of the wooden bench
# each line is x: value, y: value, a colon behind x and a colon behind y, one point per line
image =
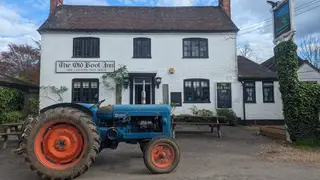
x: 211, y: 121
x: 10, y: 129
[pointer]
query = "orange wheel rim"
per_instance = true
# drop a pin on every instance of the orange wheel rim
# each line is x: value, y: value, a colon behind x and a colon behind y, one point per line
x: 162, y: 155
x: 60, y: 145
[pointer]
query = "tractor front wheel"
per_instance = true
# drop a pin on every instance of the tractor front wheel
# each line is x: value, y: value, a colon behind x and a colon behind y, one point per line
x: 161, y: 155
x: 61, y: 143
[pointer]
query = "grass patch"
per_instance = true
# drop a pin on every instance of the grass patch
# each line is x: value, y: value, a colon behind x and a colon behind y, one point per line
x: 307, y: 143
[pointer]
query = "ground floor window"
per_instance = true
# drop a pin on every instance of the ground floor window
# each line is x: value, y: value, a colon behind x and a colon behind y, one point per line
x: 85, y: 90
x: 250, y: 92
x: 268, y: 92
x: 196, y: 91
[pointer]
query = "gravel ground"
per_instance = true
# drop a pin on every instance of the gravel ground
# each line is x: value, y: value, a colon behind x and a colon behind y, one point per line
x: 238, y: 155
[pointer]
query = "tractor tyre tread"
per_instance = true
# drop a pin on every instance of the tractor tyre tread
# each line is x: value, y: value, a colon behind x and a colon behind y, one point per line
x: 88, y: 126
x: 148, y: 152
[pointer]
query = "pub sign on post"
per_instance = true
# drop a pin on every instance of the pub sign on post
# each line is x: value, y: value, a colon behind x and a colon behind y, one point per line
x: 85, y: 66
x: 283, y: 24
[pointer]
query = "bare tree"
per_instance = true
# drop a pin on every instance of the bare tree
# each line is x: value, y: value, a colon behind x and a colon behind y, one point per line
x: 309, y: 49
x: 245, y: 51
x: 22, y: 61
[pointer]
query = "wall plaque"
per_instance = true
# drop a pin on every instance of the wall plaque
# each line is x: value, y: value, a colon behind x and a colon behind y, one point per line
x: 85, y: 66
x: 224, y: 98
x: 176, y: 98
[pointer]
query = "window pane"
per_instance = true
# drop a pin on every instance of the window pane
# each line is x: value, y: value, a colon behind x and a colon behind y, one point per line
x: 196, y: 90
x: 85, y: 91
x: 142, y: 47
x: 86, y: 47
x: 94, y: 85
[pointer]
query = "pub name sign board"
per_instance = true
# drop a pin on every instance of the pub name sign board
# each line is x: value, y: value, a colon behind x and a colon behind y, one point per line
x: 85, y: 66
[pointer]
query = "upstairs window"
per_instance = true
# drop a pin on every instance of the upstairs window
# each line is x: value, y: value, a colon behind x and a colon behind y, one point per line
x: 196, y: 91
x: 195, y: 48
x: 141, y: 48
x: 250, y: 92
x: 85, y: 90
x: 268, y: 92
x: 86, y: 47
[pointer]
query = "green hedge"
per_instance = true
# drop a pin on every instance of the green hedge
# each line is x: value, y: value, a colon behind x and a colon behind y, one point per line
x: 301, y: 101
x: 12, y: 117
x: 230, y: 115
x: 33, y: 106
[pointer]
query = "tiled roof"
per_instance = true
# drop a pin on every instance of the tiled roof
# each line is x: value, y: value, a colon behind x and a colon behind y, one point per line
x: 249, y: 70
x: 271, y: 64
x: 134, y: 18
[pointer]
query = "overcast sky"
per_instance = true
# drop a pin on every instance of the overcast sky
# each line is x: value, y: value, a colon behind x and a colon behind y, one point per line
x: 19, y: 19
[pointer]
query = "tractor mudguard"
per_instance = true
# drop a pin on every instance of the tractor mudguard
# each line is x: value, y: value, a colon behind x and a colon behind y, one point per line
x: 71, y: 105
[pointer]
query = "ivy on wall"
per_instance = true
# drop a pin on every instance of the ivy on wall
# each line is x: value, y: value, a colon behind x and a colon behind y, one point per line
x: 118, y: 77
x: 49, y: 91
x: 301, y: 101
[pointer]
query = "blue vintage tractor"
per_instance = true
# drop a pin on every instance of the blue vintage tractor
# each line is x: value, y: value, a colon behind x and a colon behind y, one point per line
x: 65, y: 139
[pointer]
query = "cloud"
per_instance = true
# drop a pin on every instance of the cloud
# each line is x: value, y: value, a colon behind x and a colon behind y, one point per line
x: 255, y: 23
x: 15, y: 28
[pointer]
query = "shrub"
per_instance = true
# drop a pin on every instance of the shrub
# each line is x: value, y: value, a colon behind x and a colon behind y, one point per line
x: 33, y: 107
x: 230, y: 115
x: 12, y: 117
x: 201, y: 112
x: 10, y: 100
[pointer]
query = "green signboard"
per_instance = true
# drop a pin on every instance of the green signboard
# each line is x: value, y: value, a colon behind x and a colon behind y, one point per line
x: 282, y: 20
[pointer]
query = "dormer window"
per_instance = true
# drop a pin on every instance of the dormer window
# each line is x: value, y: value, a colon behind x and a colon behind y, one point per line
x: 86, y: 47
x: 141, y: 48
x: 195, y: 48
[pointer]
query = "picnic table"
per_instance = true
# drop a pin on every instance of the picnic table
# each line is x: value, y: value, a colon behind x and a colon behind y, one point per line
x: 211, y: 121
x: 10, y: 129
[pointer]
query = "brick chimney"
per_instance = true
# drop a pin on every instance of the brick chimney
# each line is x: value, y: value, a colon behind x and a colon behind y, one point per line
x: 226, y: 6
x: 54, y: 4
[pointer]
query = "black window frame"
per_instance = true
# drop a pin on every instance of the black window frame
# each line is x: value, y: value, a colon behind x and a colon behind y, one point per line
x: 189, y: 50
x: 140, y: 52
x: 271, y: 87
x: 90, y: 99
x: 245, y: 94
x: 81, y: 53
x: 185, y: 90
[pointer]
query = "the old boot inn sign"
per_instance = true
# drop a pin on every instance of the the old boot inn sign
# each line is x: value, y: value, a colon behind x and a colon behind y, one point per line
x: 85, y: 66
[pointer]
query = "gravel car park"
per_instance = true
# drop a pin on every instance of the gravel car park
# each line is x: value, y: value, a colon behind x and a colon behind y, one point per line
x: 239, y: 155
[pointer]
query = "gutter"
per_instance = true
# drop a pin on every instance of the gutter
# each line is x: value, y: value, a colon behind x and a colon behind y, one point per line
x: 243, y: 104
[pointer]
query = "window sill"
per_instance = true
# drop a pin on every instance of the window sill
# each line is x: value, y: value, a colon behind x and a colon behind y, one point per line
x: 85, y: 57
x: 197, y: 102
x: 269, y: 102
x: 195, y: 57
x: 141, y: 57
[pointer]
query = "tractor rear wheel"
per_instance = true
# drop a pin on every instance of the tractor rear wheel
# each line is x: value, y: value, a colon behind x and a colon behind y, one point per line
x: 161, y: 155
x: 61, y: 143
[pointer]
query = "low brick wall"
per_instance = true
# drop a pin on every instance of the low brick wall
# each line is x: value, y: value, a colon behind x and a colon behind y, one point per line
x: 275, y: 132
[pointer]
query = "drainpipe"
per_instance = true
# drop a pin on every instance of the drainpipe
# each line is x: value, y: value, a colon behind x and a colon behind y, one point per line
x: 243, y: 103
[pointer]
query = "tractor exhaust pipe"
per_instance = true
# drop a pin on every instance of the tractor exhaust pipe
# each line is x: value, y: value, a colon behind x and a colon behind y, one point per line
x: 112, y: 133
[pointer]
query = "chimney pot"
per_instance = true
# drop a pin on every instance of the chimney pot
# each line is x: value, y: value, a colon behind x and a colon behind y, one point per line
x: 226, y: 6
x: 54, y: 4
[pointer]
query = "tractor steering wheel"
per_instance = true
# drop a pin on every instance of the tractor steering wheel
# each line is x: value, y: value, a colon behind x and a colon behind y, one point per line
x: 97, y: 104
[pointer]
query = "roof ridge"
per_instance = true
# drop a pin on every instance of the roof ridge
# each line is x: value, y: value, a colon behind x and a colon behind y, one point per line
x: 268, y: 70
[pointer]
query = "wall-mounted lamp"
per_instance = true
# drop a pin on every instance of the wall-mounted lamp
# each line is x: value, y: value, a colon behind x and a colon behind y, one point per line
x: 172, y: 70
x: 126, y: 81
x: 158, y: 81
